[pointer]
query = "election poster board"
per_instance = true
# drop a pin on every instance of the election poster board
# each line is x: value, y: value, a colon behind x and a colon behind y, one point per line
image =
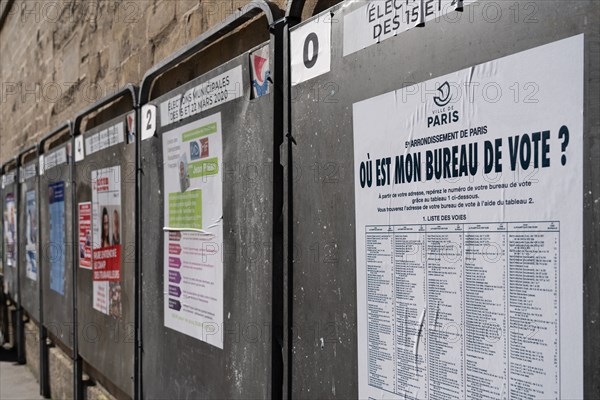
x: 469, y: 232
x: 2, y: 237
x: 193, y: 232
x: 56, y: 205
x: 106, y: 239
x: 31, y: 232
x: 103, y: 203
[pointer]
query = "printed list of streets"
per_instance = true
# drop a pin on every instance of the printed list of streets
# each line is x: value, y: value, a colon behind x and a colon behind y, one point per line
x: 463, y: 310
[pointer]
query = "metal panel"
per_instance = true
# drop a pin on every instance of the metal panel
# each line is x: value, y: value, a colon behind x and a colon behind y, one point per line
x: 324, y: 356
x: 55, y: 255
x: 106, y: 341
x: 10, y: 272
x: 28, y: 234
x: 176, y: 365
x: 3, y: 302
x: 11, y: 181
x: 57, y: 306
x: 2, y: 230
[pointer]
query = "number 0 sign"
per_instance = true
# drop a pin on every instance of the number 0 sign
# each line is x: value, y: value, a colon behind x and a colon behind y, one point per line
x: 311, y: 50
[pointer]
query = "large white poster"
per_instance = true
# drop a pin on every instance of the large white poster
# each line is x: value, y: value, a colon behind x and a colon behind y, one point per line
x: 193, y: 233
x: 469, y: 232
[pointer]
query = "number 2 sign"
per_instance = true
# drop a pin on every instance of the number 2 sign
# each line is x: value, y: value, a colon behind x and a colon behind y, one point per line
x: 148, y: 121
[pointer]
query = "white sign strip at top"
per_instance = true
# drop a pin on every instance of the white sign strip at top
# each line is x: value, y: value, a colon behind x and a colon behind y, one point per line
x: 209, y: 94
x: 27, y: 172
x: 8, y: 179
x: 382, y: 19
x: 55, y: 158
x: 104, y: 139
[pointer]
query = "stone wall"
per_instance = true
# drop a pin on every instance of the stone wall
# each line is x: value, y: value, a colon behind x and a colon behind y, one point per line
x: 60, y: 367
x: 57, y: 57
x: 32, y: 348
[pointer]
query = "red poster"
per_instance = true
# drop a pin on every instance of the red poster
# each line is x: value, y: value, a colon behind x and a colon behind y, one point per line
x: 85, y: 235
x: 107, y: 264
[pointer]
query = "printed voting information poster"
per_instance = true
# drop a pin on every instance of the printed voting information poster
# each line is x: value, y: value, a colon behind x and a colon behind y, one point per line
x: 193, y: 235
x: 106, y: 236
x: 469, y: 232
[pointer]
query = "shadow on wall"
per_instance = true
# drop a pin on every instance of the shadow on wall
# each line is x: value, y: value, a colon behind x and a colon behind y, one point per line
x: 8, y: 355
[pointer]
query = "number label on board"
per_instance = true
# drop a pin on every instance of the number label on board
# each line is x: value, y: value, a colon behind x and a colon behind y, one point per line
x: 148, y: 121
x: 79, y: 150
x: 311, y: 50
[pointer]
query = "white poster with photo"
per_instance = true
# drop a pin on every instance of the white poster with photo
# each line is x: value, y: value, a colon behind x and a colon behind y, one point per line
x: 469, y: 207
x: 106, y: 239
x: 193, y: 233
x: 31, y: 236
x: 10, y: 229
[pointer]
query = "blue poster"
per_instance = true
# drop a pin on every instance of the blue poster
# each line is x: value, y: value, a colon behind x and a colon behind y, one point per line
x: 56, y: 193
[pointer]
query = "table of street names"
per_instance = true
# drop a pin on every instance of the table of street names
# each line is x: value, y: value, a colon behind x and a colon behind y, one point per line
x: 468, y: 310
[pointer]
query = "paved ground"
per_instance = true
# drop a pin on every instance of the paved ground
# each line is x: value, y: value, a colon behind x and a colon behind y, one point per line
x: 16, y: 382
